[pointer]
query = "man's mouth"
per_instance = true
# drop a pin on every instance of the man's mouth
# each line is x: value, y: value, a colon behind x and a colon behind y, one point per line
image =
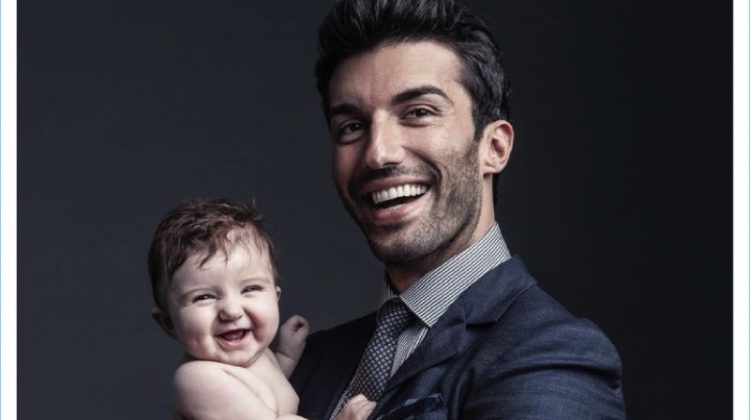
x: 397, y: 195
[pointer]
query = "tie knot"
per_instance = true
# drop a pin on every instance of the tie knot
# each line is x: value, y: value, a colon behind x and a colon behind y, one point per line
x: 393, y: 316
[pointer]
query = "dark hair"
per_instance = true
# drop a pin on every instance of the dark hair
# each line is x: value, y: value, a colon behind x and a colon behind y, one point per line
x: 201, y: 226
x: 356, y: 26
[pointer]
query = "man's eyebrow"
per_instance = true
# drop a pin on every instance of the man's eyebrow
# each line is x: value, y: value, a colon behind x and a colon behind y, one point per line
x: 401, y: 97
x: 416, y: 92
x: 345, y: 108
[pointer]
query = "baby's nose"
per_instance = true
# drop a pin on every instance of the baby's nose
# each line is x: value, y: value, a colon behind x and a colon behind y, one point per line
x: 230, y: 311
x: 229, y: 316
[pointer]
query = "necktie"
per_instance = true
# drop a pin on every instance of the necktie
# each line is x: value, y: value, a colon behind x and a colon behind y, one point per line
x: 374, y: 369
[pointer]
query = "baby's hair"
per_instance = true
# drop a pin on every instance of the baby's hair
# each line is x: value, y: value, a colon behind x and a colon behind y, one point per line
x: 205, y: 227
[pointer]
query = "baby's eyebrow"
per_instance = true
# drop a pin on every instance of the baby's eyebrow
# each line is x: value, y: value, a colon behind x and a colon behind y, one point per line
x: 186, y: 294
x: 258, y: 279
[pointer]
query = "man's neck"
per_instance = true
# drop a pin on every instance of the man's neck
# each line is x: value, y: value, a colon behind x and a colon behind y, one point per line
x: 403, y: 276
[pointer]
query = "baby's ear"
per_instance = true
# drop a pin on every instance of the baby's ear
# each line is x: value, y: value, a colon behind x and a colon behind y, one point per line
x: 164, y: 321
x: 278, y: 292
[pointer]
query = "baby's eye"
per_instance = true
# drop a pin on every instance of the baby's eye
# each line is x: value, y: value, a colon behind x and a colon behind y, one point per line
x: 202, y: 297
x: 253, y: 288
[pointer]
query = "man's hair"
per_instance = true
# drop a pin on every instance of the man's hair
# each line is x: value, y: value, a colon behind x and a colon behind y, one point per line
x: 202, y: 227
x: 356, y: 26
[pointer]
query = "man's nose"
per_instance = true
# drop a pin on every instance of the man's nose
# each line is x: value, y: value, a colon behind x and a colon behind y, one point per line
x: 384, y: 145
x: 230, y: 310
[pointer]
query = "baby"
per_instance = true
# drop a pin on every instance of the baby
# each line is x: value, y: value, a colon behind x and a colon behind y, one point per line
x: 213, y: 277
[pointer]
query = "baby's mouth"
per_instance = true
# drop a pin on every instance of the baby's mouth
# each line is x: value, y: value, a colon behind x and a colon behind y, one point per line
x: 234, y: 335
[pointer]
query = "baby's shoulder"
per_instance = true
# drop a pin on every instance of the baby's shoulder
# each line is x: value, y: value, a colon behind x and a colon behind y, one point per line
x: 202, y: 385
x: 203, y: 373
x: 196, y: 369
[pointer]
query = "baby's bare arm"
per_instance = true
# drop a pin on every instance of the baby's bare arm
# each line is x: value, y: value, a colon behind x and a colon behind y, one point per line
x: 292, y: 336
x: 206, y: 391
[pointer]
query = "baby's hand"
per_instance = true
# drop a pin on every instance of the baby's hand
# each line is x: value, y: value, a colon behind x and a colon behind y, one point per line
x: 292, y: 336
x: 358, y: 408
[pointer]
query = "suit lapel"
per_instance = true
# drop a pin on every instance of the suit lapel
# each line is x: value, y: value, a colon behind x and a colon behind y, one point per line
x: 441, y: 342
x: 483, y: 303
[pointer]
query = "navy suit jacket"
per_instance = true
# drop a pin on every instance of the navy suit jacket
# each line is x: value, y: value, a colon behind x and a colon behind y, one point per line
x: 503, y: 350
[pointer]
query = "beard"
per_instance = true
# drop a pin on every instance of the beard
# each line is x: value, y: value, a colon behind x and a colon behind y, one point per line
x: 451, y: 217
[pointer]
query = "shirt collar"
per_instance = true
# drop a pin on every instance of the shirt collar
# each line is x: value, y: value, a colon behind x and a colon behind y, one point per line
x: 434, y: 292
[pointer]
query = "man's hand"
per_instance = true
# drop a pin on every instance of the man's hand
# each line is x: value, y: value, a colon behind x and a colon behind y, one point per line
x: 358, y: 408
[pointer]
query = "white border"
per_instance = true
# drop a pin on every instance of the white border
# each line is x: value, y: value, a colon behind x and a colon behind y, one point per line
x: 8, y: 393
x: 741, y: 208
x: 8, y: 216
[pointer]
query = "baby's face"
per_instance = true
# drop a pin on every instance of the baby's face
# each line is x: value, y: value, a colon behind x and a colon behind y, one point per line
x: 227, y: 309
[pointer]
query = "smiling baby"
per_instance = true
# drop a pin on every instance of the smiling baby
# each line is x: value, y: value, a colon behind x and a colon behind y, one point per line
x: 214, y: 280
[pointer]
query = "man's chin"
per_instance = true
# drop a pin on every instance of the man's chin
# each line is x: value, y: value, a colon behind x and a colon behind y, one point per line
x: 395, y: 249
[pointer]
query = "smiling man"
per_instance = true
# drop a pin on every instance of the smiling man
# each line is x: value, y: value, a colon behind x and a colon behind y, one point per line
x: 405, y: 160
x: 416, y: 100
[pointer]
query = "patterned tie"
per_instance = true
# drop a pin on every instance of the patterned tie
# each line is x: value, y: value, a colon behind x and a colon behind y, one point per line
x: 374, y: 369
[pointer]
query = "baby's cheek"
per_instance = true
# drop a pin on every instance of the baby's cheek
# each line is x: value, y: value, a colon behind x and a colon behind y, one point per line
x: 192, y: 332
x: 269, y: 323
x: 196, y: 348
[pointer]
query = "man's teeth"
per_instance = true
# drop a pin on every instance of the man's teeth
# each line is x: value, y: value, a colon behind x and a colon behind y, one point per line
x: 407, y: 190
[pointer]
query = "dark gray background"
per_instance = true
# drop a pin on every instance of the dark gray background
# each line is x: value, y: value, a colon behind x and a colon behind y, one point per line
x: 617, y: 195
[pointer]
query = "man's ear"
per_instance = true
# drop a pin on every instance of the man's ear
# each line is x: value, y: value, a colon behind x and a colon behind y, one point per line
x: 496, y: 145
x: 164, y: 321
x: 278, y: 293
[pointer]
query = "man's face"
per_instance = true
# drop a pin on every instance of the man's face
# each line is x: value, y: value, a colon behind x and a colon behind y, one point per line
x: 405, y: 161
x: 225, y: 310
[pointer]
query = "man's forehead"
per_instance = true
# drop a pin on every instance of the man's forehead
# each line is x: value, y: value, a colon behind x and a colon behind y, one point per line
x: 392, y: 68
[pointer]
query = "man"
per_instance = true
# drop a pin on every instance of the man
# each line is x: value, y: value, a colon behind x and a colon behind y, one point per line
x: 417, y: 104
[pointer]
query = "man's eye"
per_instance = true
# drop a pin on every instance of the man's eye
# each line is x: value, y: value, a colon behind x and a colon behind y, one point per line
x: 419, y: 113
x: 350, y: 128
x: 204, y: 296
x: 349, y: 132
